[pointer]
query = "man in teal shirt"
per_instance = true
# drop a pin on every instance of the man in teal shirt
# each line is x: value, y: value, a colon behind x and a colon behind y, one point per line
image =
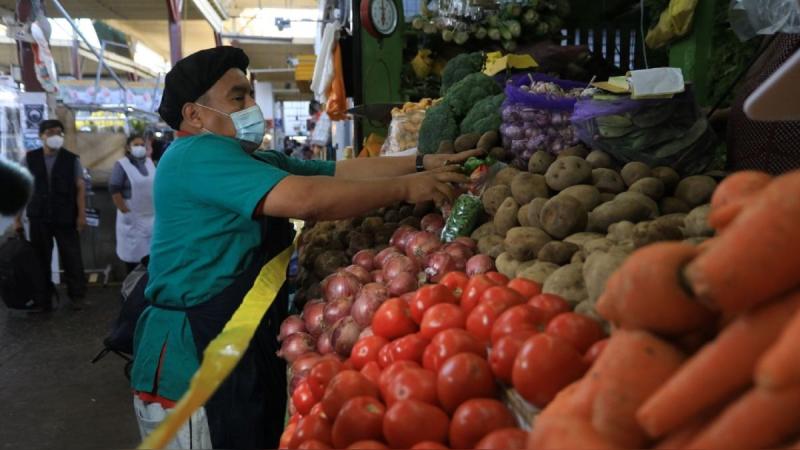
x: 221, y: 212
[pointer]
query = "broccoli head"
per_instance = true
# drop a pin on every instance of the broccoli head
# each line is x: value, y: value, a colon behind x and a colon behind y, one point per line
x: 439, y: 125
x: 459, y: 67
x: 470, y: 90
x: 484, y: 116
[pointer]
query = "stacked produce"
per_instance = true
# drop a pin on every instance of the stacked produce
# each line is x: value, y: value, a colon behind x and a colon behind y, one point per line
x: 569, y: 221
x: 435, y: 364
x: 711, y: 331
x: 405, y: 125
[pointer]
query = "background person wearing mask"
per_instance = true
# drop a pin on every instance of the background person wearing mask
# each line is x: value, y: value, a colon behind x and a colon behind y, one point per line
x: 221, y: 213
x: 57, y: 209
x: 131, y: 188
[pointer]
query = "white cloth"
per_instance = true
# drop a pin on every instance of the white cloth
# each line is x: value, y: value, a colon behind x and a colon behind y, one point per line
x: 193, y: 434
x: 323, y: 67
x: 135, y: 228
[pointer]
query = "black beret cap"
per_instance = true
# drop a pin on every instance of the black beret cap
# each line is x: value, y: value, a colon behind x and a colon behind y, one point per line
x: 192, y: 76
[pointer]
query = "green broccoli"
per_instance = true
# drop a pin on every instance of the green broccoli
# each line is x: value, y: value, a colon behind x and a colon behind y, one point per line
x: 459, y: 67
x: 439, y: 125
x: 484, y: 116
x: 470, y: 90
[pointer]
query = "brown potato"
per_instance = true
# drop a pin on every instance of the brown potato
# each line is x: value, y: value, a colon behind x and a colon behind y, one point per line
x: 696, y: 190
x: 506, y: 216
x: 616, y: 211
x: 646, y: 233
x: 507, y: 265
x: 491, y: 245
x: 607, y: 181
x: 567, y: 282
x: 527, y: 186
x: 580, y: 239
x: 599, y: 160
x: 487, y: 229
x: 522, y: 215
x: 668, y: 176
x: 650, y: 186
x: 494, y: 196
x: 576, y: 150
x: 538, y: 271
x: 568, y: 171
x: 672, y: 205
x: 524, y: 243
x: 696, y: 222
x: 563, y: 215
x: 557, y: 252
x: 643, y: 199
x: 634, y: 171
x: 540, y: 162
x: 588, y: 195
x: 534, y: 208
x: 505, y: 176
x: 487, y: 140
x: 446, y: 148
x: 466, y: 142
x: 606, y: 197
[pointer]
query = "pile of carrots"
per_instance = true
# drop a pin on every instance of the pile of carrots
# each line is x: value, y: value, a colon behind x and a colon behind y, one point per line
x: 705, y: 353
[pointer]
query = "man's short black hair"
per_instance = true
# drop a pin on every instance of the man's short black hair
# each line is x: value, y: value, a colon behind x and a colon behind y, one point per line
x: 48, y: 124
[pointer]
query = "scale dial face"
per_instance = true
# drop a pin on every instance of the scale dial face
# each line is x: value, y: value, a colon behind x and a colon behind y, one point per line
x: 383, y: 15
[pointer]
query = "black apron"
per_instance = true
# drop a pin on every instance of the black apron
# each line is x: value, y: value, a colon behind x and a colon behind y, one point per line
x: 248, y: 410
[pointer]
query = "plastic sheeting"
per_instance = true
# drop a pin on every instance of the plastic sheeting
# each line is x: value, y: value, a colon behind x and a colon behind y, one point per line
x: 750, y: 18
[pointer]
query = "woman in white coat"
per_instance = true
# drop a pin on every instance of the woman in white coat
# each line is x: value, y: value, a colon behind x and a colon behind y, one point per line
x: 131, y: 187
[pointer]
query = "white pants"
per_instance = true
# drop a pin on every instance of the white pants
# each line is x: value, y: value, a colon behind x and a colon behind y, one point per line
x: 193, y: 434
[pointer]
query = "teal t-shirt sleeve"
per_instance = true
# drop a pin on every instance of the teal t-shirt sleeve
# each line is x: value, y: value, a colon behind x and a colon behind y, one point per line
x: 217, y: 172
x: 297, y: 166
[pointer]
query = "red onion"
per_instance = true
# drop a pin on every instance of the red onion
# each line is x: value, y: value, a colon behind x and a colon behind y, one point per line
x: 369, y: 298
x: 336, y: 309
x: 344, y: 336
x: 401, y: 236
x: 324, y: 345
x: 359, y: 272
x: 466, y: 242
x: 397, y: 265
x: 292, y: 324
x: 404, y: 282
x: 438, y: 265
x: 408, y: 297
x: 421, y: 244
x: 432, y: 222
x: 384, y: 255
x: 341, y: 284
x: 479, y: 264
x: 295, y: 346
x: 459, y: 253
x: 366, y: 332
x: 305, y: 362
x: 365, y: 259
x: 377, y: 276
x: 312, y: 316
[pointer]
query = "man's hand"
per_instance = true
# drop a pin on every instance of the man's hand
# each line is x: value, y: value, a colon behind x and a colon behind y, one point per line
x: 81, y: 221
x: 432, y: 162
x: 433, y: 185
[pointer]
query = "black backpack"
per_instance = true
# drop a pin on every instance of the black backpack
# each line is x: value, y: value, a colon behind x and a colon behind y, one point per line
x: 21, y: 277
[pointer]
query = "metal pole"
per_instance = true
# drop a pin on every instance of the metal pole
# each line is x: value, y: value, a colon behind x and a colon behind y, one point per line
x: 72, y: 23
x: 100, y: 65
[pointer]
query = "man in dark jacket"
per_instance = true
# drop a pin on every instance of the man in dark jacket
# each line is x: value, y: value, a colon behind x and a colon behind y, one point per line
x: 57, y: 208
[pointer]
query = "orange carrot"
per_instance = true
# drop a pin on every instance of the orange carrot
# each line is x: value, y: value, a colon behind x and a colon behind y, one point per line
x: 722, y: 368
x: 759, y: 419
x: 566, y: 432
x: 632, y: 366
x: 682, y: 437
x: 738, y: 185
x: 780, y: 366
x: 757, y: 257
x: 646, y: 292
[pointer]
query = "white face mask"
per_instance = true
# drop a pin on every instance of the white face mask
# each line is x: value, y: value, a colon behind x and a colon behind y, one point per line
x: 138, y: 151
x: 54, y: 142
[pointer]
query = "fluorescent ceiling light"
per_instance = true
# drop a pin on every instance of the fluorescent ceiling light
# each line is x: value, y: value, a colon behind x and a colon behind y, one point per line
x: 213, y: 12
x: 261, y: 22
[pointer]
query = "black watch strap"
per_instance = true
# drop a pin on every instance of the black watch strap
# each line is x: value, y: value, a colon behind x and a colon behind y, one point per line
x: 420, y: 163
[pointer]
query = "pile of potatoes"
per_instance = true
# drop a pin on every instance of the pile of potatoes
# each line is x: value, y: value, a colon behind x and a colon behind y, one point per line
x: 570, y: 221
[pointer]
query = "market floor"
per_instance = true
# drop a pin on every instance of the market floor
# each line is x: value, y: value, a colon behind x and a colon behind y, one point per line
x: 51, y: 396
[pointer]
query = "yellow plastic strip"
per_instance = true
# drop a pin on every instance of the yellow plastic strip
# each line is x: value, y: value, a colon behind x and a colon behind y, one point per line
x: 225, y: 351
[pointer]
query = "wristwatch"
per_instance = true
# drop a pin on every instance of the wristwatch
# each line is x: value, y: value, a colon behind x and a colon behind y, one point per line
x: 420, y: 163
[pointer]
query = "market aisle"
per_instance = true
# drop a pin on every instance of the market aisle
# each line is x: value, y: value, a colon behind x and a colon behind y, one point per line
x: 51, y: 396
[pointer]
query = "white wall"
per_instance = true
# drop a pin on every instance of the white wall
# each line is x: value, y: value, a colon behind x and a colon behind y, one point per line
x: 265, y: 99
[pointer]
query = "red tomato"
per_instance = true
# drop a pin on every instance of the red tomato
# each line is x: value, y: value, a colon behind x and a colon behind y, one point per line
x: 368, y: 445
x: 474, y: 291
x: 441, y: 317
x: 417, y: 384
x: 317, y: 409
x: 312, y: 426
x: 427, y: 296
x: 366, y: 350
x: 456, y: 282
x: 516, y: 319
x: 385, y: 356
x: 576, y: 329
x: 393, y: 319
x: 313, y: 444
x: 390, y: 372
x: 504, y: 352
x: 476, y: 418
x: 496, y: 300
x: 449, y: 343
x: 498, y: 278
x: 462, y: 377
x: 372, y: 370
x: 288, y: 432
x: 527, y: 288
x: 428, y: 445
x: 545, y: 365
x: 594, y: 351
x: 321, y: 374
x: 550, y: 305
x: 360, y: 419
x: 408, y: 297
x: 409, y: 422
x: 303, y: 399
x: 408, y: 348
x: 344, y: 386
x: 504, y: 439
